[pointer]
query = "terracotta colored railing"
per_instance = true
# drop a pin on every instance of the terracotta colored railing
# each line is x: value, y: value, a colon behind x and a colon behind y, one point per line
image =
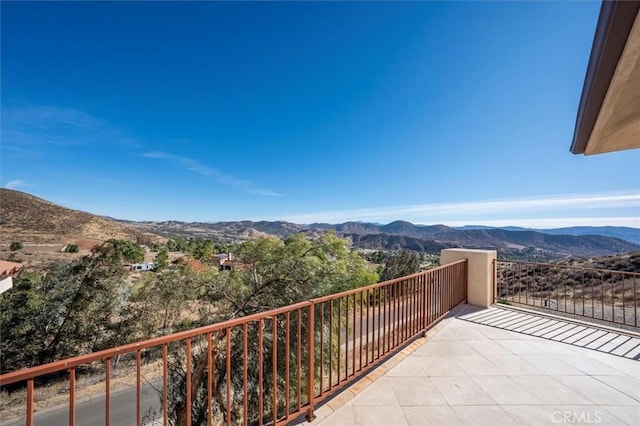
x: 599, y: 294
x: 270, y: 367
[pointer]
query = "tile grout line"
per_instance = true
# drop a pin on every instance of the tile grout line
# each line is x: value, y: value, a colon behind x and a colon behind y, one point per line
x: 384, y: 368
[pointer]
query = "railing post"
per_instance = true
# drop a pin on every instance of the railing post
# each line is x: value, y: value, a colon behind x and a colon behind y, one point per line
x: 107, y: 396
x: 72, y: 396
x: 425, y: 311
x: 30, y: 399
x: 311, y: 366
x: 495, y: 279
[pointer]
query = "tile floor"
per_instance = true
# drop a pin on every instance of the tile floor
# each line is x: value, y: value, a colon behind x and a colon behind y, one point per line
x: 470, y: 373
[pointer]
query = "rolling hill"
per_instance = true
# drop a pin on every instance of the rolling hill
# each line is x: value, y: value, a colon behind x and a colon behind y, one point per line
x: 27, y: 218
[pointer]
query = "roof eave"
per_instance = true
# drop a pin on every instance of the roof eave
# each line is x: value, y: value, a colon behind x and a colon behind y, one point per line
x: 612, y: 31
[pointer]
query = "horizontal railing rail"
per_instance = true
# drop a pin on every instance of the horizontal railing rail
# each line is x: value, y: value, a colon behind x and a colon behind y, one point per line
x: 272, y: 366
x: 598, y: 294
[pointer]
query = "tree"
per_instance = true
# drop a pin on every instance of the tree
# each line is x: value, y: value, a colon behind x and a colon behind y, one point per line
x: 159, y: 301
x: 72, y: 248
x: 156, y: 246
x: 15, y: 246
x: 177, y: 244
x: 275, y: 273
x: 64, y: 312
x: 130, y: 251
x: 401, y: 264
x: 201, y: 249
x: 162, y: 259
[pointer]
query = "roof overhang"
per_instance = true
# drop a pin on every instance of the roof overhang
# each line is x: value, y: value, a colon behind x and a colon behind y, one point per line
x: 609, y: 112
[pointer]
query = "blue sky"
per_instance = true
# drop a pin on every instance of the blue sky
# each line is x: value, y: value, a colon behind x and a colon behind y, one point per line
x: 454, y: 113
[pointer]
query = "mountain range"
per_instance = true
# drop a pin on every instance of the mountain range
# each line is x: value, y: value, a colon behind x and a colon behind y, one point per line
x: 29, y: 218
x: 622, y: 232
x: 398, y: 235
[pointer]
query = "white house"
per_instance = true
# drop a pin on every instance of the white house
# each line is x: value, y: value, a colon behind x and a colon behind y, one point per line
x: 8, y: 271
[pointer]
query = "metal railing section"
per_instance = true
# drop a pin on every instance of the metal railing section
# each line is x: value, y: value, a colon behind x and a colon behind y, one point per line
x: 598, y: 294
x: 270, y: 367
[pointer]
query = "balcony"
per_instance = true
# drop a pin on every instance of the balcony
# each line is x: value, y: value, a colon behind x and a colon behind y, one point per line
x: 500, y: 366
x: 432, y: 348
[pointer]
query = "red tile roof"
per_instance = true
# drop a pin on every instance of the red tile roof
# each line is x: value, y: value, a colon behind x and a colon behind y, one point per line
x: 9, y: 268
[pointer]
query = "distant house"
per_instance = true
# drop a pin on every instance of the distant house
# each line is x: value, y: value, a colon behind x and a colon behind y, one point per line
x: 8, y: 271
x: 225, y: 262
x: 142, y: 267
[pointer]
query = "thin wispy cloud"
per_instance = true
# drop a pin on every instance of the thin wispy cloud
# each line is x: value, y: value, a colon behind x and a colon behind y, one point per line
x: 45, y: 116
x: 195, y: 166
x: 37, y: 129
x: 467, y: 211
x: 29, y: 126
x: 266, y: 192
x: 16, y: 183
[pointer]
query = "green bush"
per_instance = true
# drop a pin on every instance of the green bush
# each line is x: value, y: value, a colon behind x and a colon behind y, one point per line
x: 16, y: 245
x: 72, y: 248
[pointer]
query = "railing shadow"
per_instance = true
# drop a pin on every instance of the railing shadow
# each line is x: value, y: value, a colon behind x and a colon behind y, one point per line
x: 606, y: 340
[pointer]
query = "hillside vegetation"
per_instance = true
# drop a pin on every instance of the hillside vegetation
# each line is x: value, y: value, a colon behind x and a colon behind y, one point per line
x: 31, y: 219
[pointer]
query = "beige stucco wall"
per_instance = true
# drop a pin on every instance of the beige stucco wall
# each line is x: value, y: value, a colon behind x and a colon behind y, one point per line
x: 480, y: 273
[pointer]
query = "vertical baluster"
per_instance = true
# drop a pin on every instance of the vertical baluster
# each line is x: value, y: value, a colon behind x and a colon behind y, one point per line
x: 583, y: 292
x: 361, y: 328
x: 245, y: 386
x: 377, y: 327
x: 635, y: 303
x: 209, y: 379
x: 188, y: 405
x: 299, y: 350
x: 339, y: 336
x: 228, y: 373
x: 72, y: 396
x: 602, y: 295
x: 287, y: 373
x: 423, y: 288
x: 322, y: 347
x: 346, y: 338
x: 138, y: 390
x: 353, y: 359
x: 260, y: 374
x: 330, y: 344
x: 107, y: 392
x: 165, y: 385
x: 274, y: 367
x: 368, y: 301
x: 613, y: 303
x: 624, y: 303
x: 311, y: 360
x: 30, y: 399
